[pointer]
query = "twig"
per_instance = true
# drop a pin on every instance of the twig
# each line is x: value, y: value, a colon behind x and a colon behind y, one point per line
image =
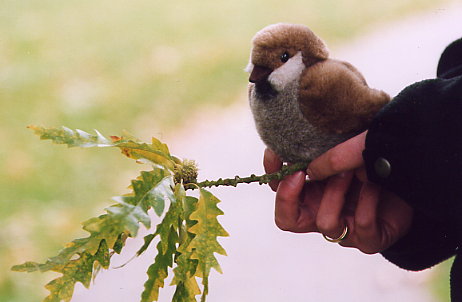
x: 261, y: 179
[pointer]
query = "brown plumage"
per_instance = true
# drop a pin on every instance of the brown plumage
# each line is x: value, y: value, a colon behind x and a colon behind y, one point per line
x: 302, y: 101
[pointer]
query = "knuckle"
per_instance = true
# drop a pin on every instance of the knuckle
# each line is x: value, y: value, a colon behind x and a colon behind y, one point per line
x: 368, y: 250
x: 361, y: 174
x: 363, y: 222
x: 327, y: 225
x: 335, y: 161
x: 282, y: 225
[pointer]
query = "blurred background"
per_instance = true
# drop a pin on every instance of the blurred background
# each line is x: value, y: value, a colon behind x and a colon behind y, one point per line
x: 149, y: 67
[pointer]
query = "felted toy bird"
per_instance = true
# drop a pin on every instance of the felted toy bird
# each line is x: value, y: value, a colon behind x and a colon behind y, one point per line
x: 303, y: 102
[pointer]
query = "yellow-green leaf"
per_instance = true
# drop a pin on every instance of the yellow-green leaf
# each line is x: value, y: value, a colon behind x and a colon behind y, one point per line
x: 207, y: 229
x: 184, y: 279
x: 204, y: 245
x: 147, y: 152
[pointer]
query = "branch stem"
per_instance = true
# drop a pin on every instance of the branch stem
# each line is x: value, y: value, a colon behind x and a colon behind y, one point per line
x: 261, y: 179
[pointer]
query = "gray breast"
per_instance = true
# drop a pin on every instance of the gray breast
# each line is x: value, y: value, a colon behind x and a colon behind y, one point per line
x: 283, y: 128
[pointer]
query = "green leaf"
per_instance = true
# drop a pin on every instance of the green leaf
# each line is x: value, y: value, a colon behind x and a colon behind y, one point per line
x: 26, y: 267
x: 158, y: 271
x: 126, y: 217
x: 156, y: 152
x: 147, y: 241
x: 123, y: 218
x: 188, y: 232
x: 120, y: 243
x: 75, y: 247
x: 160, y: 193
x: 189, y: 206
x: 72, y: 138
x: 79, y: 270
x: 168, y: 230
x: 168, y: 233
x: 110, y: 230
x: 184, y: 272
x: 151, y: 189
x: 173, y: 215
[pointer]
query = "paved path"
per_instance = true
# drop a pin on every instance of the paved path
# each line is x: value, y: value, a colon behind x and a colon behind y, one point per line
x: 265, y: 264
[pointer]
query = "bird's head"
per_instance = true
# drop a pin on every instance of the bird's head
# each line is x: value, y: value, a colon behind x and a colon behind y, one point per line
x: 280, y: 52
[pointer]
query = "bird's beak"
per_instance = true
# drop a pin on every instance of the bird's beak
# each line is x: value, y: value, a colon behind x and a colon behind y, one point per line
x: 259, y: 74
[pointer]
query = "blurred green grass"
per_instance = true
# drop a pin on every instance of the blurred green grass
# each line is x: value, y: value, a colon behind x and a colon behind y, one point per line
x: 440, y: 281
x: 143, y: 66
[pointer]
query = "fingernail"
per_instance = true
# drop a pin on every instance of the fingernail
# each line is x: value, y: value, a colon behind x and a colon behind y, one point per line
x: 309, y: 175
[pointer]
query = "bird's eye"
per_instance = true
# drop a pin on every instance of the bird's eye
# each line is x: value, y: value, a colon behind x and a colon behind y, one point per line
x: 285, y: 57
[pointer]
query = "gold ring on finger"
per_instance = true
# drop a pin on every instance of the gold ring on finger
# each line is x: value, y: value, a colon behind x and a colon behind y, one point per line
x: 340, y: 238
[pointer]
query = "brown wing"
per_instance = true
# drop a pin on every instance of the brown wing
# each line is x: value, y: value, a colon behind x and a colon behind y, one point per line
x: 353, y: 70
x: 334, y: 96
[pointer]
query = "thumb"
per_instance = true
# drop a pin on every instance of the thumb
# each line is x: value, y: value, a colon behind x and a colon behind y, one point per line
x: 287, y: 208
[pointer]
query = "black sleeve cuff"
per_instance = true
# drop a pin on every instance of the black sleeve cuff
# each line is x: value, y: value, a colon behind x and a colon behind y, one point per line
x: 427, y: 244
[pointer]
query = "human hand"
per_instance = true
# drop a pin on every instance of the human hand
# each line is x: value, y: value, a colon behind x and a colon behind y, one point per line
x: 297, y: 202
x: 375, y: 218
x: 344, y: 157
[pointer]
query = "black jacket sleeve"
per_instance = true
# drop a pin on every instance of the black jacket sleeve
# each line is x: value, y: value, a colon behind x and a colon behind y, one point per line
x: 414, y: 149
x: 419, y: 135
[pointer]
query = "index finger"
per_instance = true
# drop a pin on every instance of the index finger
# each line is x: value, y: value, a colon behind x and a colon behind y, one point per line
x: 344, y: 157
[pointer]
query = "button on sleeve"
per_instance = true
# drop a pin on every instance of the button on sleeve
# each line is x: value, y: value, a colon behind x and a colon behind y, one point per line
x: 382, y: 167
